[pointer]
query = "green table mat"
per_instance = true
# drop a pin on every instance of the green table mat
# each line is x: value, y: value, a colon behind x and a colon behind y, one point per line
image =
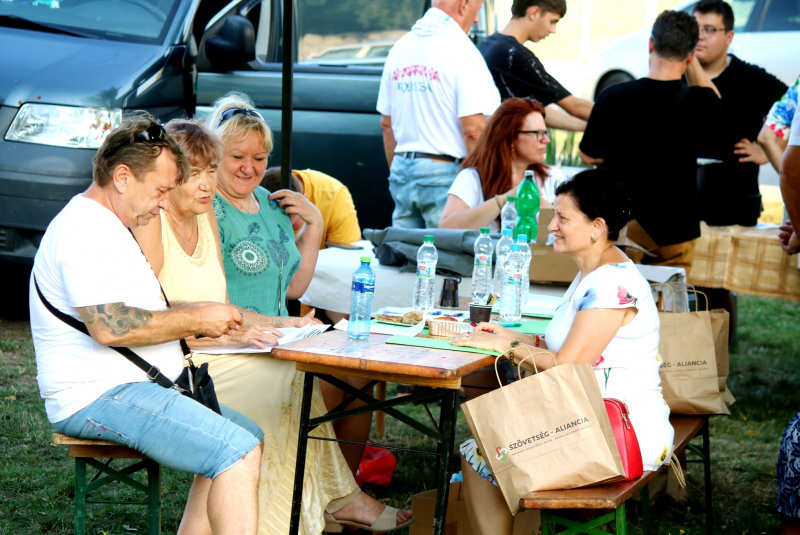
x: 424, y: 331
x: 434, y: 343
x: 532, y: 327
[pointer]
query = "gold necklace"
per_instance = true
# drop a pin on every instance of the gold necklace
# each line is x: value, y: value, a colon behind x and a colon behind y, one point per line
x: 175, y: 228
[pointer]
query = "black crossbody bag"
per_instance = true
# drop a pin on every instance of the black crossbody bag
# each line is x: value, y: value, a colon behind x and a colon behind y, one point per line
x: 193, y: 382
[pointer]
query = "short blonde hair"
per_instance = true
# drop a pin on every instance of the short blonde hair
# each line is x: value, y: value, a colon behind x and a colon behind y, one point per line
x: 238, y: 127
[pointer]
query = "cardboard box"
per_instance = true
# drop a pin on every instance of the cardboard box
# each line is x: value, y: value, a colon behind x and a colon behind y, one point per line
x: 546, y: 264
x: 456, y: 522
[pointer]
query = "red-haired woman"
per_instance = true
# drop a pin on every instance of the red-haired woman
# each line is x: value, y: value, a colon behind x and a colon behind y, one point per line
x: 514, y: 140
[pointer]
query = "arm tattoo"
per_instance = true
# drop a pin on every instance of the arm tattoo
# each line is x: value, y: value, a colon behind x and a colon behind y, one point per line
x: 116, y: 318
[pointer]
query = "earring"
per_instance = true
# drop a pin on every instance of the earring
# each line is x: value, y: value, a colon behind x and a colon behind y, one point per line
x: 594, y: 240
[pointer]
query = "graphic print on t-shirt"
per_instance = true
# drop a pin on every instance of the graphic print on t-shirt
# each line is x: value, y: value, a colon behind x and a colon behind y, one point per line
x: 415, y: 78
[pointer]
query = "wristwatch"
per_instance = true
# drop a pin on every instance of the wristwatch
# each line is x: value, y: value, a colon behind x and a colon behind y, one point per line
x: 514, y: 345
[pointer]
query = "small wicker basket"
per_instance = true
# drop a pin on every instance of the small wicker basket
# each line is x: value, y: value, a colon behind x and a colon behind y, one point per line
x: 449, y: 328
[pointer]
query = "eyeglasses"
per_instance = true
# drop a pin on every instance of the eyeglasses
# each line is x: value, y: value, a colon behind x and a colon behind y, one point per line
x: 151, y: 134
x: 541, y: 135
x: 233, y: 112
x: 710, y: 30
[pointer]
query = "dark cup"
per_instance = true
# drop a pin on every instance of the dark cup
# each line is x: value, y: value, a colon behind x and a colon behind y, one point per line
x: 479, y: 313
x: 449, y: 297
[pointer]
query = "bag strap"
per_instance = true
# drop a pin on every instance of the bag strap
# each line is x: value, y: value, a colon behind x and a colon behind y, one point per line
x: 142, y: 364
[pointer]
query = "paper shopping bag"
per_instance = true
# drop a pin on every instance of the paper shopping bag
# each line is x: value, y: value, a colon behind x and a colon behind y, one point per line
x: 689, y: 376
x: 544, y: 432
x: 720, y: 323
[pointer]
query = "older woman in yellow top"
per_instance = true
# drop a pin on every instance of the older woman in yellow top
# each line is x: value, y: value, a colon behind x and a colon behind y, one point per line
x: 183, y: 247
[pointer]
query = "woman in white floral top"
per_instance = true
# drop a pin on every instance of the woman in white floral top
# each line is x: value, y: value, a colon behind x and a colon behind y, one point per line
x: 608, y: 319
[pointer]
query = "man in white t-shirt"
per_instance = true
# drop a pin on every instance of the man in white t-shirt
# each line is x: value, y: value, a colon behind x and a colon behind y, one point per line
x: 790, y: 189
x: 92, y: 273
x: 435, y: 93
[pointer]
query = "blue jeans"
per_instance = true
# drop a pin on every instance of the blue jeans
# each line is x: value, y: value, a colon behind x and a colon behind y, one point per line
x: 168, y: 427
x: 419, y: 188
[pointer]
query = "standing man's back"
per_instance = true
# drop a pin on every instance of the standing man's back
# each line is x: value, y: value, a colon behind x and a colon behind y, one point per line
x: 646, y: 132
x: 729, y: 194
x: 435, y: 92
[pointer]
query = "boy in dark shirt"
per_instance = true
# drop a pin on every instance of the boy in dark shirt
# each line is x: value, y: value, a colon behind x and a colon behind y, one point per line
x: 729, y: 192
x: 646, y: 132
x: 517, y: 72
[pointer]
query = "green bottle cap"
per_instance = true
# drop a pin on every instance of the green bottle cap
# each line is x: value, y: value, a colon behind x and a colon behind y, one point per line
x: 484, y: 230
x: 511, y: 199
x: 428, y: 239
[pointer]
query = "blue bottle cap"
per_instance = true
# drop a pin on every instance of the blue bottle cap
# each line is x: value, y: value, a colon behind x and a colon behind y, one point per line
x: 515, y: 247
x: 522, y: 237
x: 506, y: 232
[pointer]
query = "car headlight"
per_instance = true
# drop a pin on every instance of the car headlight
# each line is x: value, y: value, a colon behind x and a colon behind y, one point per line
x: 63, y: 126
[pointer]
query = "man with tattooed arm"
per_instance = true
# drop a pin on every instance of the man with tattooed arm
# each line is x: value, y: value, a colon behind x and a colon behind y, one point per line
x: 90, y: 267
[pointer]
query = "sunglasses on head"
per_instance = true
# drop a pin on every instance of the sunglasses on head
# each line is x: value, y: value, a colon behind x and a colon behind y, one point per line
x: 152, y: 134
x: 232, y: 112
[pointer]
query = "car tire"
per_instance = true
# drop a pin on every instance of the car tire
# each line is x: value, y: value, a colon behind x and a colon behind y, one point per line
x: 614, y: 78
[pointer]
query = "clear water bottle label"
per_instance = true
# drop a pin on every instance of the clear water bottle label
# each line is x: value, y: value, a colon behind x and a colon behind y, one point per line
x: 515, y: 279
x: 364, y: 287
x: 483, y: 260
x: 507, y: 225
x: 423, y: 271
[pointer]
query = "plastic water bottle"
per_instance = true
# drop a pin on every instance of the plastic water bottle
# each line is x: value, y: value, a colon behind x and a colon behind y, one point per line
x: 502, y: 249
x: 527, y: 206
x: 508, y: 215
x: 510, y: 304
x: 361, y: 300
x: 525, y: 251
x: 482, y: 269
x: 427, y: 257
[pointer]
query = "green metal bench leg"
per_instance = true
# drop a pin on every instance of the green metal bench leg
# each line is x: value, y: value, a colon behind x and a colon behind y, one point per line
x: 545, y: 526
x: 644, y: 496
x: 80, y: 496
x: 153, y: 498
x: 622, y: 524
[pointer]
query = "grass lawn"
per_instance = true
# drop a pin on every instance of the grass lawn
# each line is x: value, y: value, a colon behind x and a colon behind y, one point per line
x: 36, y: 478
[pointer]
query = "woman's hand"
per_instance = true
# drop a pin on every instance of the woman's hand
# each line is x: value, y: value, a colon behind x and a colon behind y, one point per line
x: 483, y: 340
x: 495, y: 328
x: 750, y: 152
x: 255, y: 334
x: 293, y: 202
x: 294, y: 321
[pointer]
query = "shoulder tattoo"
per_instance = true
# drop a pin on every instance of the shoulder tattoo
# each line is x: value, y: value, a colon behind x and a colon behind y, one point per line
x: 116, y: 318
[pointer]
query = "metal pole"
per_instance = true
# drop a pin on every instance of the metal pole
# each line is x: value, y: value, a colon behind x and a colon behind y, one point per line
x: 287, y: 93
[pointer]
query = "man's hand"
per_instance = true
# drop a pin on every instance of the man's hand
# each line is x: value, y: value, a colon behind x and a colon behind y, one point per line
x: 750, y: 152
x: 215, y: 319
x: 790, y: 241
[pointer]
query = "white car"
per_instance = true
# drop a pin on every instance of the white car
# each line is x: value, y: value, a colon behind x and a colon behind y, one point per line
x: 767, y: 35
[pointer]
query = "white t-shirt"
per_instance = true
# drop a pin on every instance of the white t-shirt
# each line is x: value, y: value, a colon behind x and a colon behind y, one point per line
x: 88, y: 257
x: 628, y: 368
x: 467, y: 187
x: 433, y: 76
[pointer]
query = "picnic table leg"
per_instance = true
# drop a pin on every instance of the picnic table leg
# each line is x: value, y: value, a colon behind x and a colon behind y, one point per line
x: 447, y: 423
x: 80, y: 496
x: 707, y: 474
x: 622, y: 524
x: 302, y: 445
x: 380, y: 416
x: 644, y: 495
x: 153, y: 498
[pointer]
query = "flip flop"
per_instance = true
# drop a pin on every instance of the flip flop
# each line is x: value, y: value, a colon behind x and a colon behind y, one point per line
x: 386, y: 521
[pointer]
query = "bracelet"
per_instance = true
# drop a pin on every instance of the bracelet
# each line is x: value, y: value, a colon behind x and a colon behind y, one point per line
x: 500, y: 206
x: 537, y: 340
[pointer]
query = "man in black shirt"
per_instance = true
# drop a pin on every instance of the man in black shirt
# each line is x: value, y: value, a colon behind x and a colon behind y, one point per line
x: 646, y: 131
x: 729, y: 192
x: 517, y: 72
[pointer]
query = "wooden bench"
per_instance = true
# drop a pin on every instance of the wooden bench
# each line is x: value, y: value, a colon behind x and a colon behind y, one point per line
x: 88, y: 452
x: 613, y: 496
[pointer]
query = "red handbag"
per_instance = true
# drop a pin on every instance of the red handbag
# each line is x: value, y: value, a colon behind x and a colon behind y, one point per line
x: 627, y: 443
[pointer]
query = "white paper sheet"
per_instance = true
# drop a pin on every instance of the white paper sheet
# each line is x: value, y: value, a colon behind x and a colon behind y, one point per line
x: 290, y: 334
x: 382, y: 328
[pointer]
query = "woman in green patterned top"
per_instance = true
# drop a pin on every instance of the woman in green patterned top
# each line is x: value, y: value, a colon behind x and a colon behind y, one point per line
x: 264, y: 263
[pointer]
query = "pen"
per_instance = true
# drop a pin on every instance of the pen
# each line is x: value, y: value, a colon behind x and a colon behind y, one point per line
x: 510, y: 324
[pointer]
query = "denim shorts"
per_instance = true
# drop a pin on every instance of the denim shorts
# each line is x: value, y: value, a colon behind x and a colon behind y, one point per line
x: 419, y: 189
x: 168, y: 427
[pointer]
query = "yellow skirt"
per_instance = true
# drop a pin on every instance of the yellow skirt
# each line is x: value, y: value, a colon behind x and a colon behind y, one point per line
x: 270, y: 392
